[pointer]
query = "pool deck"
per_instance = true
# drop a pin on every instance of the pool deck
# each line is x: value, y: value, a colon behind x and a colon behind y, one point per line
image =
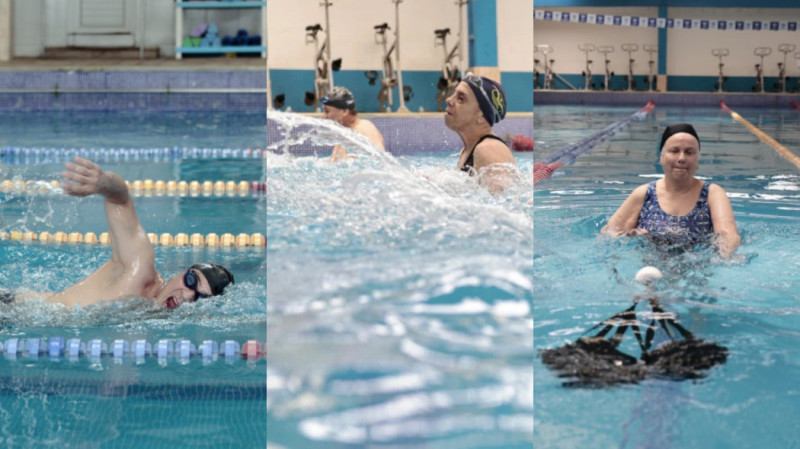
x: 687, y: 99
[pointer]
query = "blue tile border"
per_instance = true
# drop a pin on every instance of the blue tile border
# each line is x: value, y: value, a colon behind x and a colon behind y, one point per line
x: 132, y: 79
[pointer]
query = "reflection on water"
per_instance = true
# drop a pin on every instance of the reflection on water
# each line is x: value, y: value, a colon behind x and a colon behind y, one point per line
x: 400, y: 301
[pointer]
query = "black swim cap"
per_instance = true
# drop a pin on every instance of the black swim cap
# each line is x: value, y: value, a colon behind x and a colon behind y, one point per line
x: 339, y: 98
x: 678, y: 128
x: 218, y: 276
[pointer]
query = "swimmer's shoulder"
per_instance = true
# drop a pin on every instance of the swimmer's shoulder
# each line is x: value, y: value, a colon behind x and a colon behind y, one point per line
x: 716, y: 193
x: 639, y: 193
x: 366, y: 125
x: 715, y: 188
x: 372, y: 132
x: 493, y: 151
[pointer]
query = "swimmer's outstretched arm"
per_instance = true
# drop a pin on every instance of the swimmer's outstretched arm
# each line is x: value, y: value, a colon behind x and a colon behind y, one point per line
x: 625, y: 221
x: 129, y: 243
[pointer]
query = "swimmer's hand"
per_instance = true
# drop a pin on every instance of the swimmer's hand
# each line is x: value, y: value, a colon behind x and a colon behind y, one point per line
x: 339, y: 154
x: 87, y: 178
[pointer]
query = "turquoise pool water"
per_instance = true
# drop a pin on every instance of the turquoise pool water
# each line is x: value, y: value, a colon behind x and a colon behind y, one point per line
x: 751, y: 305
x: 400, y: 298
x: 124, y: 402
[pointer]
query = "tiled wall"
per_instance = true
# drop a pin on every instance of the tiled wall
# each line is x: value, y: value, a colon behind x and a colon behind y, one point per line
x: 408, y: 135
x: 100, y: 101
x: 133, y: 79
x: 55, y: 90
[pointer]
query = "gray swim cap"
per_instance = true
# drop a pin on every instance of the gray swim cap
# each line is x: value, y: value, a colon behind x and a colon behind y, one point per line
x: 218, y: 276
x: 339, y: 98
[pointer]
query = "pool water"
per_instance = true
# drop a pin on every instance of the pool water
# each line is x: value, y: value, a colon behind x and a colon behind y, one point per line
x: 749, y: 305
x: 135, y: 129
x: 399, y: 310
x: 124, y: 402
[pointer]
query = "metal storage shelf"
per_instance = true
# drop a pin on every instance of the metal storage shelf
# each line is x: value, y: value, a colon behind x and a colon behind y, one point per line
x: 181, y: 6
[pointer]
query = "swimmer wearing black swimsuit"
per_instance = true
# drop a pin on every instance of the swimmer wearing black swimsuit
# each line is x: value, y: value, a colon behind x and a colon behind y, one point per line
x: 469, y: 163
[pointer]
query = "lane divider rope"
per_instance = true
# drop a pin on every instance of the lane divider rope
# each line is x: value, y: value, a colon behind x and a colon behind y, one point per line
x: 40, y: 155
x: 148, y: 187
x: 568, y: 154
x: 211, y: 240
x: 782, y: 150
x: 181, y: 350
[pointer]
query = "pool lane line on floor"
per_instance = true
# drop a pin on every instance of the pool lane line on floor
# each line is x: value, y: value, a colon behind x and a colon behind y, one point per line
x: 782, y: 150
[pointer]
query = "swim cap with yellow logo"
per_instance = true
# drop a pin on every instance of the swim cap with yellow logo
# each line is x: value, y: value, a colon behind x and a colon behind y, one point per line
x: 491, y: 97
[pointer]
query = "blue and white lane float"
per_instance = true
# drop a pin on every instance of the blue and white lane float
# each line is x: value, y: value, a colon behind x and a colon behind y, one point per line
x: 19, y: 155
x: 567, y: 155
x: 181, y: 350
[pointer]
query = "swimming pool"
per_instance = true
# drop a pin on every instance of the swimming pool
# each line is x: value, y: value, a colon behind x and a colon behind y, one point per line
x: 399, y: 297
x: 750, y: 306
x: 162, y: 400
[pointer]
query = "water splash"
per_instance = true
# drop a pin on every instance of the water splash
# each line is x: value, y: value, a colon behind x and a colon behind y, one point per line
x: 402, y: 283
x: 300, y: 129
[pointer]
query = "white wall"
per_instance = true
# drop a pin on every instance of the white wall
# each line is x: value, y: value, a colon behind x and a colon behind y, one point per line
x: 352, y: 34
x: 515, y: 35
x: 564, y: 39
x: 689, y: 51
x: 6, y: 25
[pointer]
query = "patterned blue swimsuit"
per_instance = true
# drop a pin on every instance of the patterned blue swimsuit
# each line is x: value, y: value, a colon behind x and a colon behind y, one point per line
x: 690, y: 228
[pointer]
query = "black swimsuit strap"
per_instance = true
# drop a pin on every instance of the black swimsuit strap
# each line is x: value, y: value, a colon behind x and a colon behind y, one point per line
x: 470, y: 162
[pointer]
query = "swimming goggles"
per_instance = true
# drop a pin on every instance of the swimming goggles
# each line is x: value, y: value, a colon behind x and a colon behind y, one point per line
x: 190, y: 280
x: 477, y: 81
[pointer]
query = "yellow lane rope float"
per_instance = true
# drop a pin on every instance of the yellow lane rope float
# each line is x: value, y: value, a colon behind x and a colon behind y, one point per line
x: 782, y: 150
x: 212, y: 240
x: 148, y: 187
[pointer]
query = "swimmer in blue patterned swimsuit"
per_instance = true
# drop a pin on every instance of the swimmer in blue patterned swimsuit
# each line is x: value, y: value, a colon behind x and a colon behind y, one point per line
x: 671, y: 229
x: 678, y: 208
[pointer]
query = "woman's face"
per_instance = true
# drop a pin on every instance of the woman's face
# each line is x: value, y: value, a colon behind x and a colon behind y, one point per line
x: 680, y: 156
